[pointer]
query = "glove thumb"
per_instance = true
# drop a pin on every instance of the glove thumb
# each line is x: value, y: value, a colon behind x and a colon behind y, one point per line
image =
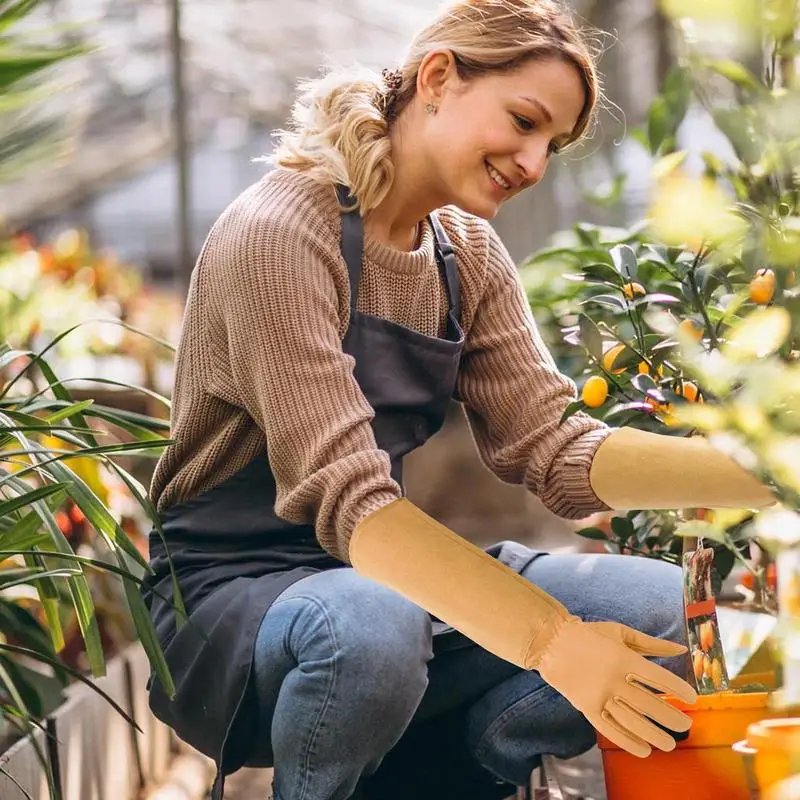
x: 639, y: 642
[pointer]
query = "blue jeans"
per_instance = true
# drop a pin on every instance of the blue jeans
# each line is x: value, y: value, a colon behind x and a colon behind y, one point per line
x: 343, y: 665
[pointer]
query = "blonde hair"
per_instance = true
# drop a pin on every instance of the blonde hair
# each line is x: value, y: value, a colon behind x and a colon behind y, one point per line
x: 340, y: 122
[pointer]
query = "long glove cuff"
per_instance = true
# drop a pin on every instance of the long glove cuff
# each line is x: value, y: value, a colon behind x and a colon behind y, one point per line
x: 637, y: 469
x: 403, y: 548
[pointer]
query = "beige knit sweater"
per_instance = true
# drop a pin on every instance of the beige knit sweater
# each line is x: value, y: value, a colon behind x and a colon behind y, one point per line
x: 260, y: 366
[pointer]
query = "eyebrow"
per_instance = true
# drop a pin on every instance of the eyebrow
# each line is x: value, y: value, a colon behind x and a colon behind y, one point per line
x: 544, y: 111
x: 542, y: 108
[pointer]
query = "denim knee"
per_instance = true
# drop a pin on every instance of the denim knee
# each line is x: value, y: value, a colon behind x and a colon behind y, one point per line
x: 363, y: 647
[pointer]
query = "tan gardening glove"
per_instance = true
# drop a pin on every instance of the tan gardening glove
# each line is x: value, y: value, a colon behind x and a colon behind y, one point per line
x: 611, y: 690
x: 637, y: 469
x: 596, y: 666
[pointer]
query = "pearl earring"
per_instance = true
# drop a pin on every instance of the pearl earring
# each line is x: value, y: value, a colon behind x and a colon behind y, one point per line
x: 430, y: 108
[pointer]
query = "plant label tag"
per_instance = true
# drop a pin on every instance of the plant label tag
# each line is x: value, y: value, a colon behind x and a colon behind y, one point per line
x: 702, y: 627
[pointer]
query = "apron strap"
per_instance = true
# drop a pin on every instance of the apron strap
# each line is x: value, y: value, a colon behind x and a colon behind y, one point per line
x: 353, y: 252
x: 352, y: 241
x: 447, y: 258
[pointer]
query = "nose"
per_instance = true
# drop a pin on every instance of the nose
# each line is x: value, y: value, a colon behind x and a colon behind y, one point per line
x: 532, y: 160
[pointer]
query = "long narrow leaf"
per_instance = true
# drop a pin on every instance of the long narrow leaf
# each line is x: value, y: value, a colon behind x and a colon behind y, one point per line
x: 24, y: 500
x: 78, y: 586
x: 58, y: 665
x: 147, y: 633
x: 37, y: 575
x: 98, y: 515
x: 24, y: 534
x: 141, y: 495
x: 17, y: 622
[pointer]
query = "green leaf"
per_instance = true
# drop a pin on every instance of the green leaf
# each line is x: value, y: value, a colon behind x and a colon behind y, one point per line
x: 60, y: 666
x: 591, y: 337
x: 592, y: 533
x: 24, y: 500
x: 17, y: 622
x: 624, y: 259
x: 22, y: 577
x: 607, y: 301
x: 658, y: 123
x: 668, y: 164
x: 623, y: 528
x: 24, y: 534
x: 78, y: 586
x: 644, y: 383
x: 736, y: 73
x: 601, y: 271
x: 659, y: 298
x: 571, y: 409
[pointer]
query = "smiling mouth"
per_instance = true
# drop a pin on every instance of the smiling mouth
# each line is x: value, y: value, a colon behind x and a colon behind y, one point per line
x: 497, y: 178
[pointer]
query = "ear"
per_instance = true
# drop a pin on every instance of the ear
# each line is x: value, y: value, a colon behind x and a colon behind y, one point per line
x: 436, y: 75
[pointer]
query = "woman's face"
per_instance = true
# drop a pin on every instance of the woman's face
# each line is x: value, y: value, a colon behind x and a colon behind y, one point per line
x: 493, y: 136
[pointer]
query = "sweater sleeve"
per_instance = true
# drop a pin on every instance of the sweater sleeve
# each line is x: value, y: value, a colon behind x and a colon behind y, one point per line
x: 282, y: 311
x: 515, y: 396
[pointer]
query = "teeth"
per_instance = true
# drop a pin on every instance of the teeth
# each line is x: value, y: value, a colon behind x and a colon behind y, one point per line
x: 497, y: 177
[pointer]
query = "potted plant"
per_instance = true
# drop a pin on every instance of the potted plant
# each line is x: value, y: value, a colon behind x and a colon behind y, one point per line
x: 60, y: 457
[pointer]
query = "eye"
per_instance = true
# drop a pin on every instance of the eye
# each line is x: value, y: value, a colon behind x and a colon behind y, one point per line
x: 523, y: 123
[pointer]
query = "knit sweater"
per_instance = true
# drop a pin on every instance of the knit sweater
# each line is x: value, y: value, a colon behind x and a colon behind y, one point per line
x: 260, y: 368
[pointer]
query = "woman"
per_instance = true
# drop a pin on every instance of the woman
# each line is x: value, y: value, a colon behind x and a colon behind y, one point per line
x: 336, y: 308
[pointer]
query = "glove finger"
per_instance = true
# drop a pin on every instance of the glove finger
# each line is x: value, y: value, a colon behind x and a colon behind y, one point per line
x: 660, y: 711
x: 651, y: 675
x: 636, y: 724
x: 650, y: 645
x: 622, y: 737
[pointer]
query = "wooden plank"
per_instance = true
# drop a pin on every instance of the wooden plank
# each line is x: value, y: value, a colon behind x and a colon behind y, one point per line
x: 21, y: 762
x: 156, y: 740
x: 94, y: 741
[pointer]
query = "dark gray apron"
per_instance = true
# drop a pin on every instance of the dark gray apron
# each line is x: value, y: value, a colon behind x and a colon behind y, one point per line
x: 234, y: 556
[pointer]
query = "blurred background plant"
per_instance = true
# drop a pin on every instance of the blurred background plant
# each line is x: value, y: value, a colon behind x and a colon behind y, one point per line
x: 73, y: 515
x: 689, y: 321
x: 30, y: 132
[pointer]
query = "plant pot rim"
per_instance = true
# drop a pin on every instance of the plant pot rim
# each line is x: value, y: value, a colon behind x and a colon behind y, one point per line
x: 722, y: 701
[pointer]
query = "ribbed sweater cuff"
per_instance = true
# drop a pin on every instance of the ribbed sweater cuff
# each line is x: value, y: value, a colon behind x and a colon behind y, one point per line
x: 571, y: 495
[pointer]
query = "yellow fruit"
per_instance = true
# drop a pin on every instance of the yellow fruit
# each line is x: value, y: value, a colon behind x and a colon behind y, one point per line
x: 661, y: 408
x: 705, y: 514
x: 691, y: 329
x: 716, y: 673
x: 644, y: 369
x: 595, y: 391
x: 689, y: 391
x: 706, y: 666
x: 707, y: 635
x: 634, y: 289
x: 697, y: 663
x: 762, y: 287
x: 609, y: 357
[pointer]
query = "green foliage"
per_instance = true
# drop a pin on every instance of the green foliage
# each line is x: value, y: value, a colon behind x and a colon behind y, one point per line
x: 29, y: 132
x: 693, y: 315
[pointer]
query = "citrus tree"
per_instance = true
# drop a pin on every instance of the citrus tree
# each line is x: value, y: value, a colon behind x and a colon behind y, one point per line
x: 689, y: 322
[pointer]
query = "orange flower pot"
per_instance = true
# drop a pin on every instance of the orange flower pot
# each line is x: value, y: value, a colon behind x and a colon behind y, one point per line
x: 771, y: 751
x: 704, y: 766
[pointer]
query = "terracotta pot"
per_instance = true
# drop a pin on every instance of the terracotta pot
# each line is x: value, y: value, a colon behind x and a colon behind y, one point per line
x: 771, y: 751
x: 702, y: 767
x: 784, y: 790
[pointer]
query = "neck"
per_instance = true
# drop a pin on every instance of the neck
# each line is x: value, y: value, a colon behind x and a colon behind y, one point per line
x: 411, y: 197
